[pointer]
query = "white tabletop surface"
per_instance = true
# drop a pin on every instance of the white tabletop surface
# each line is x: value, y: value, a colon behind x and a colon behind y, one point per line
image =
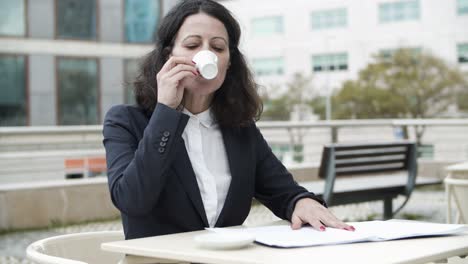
x: 463, y: 166
x: 183, y: 248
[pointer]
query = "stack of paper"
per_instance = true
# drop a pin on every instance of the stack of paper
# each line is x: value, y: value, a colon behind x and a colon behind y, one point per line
x: 284, y: 236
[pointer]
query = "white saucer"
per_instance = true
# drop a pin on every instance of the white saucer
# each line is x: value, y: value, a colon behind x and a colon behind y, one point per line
x: 224, y: 240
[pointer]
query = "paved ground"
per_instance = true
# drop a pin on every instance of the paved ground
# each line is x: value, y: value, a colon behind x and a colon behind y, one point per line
x: 425, y: 204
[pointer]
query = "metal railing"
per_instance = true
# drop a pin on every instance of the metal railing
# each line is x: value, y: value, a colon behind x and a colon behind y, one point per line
x: 441, y: 139
x: 26, y: 152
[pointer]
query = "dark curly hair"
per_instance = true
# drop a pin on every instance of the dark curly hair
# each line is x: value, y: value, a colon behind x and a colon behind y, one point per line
x: 236, y: 103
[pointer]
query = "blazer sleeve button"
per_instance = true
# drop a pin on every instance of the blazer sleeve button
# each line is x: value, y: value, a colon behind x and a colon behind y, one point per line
x: 166, y: 133
x: 161, y: 150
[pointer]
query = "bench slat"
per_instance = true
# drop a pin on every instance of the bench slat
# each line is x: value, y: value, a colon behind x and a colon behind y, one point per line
x: 371, y: 159
x: 358, y: 163
x: 347, y: 155
x: 345, y: 186
x: 347, y: 146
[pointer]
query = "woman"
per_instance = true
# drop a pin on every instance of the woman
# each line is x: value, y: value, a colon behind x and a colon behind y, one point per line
x: 189, y: 155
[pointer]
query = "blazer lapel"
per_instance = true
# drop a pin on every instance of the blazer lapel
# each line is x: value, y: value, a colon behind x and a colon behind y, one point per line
x: 235, y: 159
x: 184, y: 171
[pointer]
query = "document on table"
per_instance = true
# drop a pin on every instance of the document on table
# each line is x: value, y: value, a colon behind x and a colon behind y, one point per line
x: 284, y: 236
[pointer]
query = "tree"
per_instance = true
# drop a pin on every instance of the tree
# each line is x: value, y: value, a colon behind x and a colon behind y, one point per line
x: 297, y: 95
x: 275, y: 109
x: 407, y: 84
x: 318, y: 104
x: 462, y: 98
x: 298, y: 92
x: 357, y: 101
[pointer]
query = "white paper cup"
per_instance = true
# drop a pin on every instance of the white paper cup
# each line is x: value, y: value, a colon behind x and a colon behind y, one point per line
x: 207, y: 64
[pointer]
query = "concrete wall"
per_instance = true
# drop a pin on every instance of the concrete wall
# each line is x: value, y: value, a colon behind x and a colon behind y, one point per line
x: 41, y: 18
x: 42, y: 95
x: 167, y: 5
x: 35, y: 205
x: 110, y: 20
x: 112, y: 88
x: 42, y: 204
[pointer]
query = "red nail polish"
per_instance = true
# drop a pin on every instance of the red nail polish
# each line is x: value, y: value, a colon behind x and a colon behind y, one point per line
x: 194, y: 62
x: 322, y: 228
x: 352, y: 228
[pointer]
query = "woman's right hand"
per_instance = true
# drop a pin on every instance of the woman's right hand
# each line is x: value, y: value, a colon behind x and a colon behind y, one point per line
x: 170, y: 80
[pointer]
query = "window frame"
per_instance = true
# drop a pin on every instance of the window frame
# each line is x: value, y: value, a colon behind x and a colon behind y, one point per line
x: 388, y: 53
x: 393, y: 5
x: 459, y: 9
x: 57, y: 88
x: 26, y: 24
x: 276, y: 33
x: 97, y: 29
x: 26, y: 84
x: 330, y: 57
x: 334, y: 11
x: 124, y: 31
x: 459, y: 45
x: 272, y: 58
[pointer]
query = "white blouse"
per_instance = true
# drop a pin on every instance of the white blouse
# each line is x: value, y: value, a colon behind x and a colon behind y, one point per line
x: 205, y: 148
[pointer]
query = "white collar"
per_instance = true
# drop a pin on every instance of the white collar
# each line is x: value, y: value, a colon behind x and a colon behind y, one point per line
x: 205, y: 117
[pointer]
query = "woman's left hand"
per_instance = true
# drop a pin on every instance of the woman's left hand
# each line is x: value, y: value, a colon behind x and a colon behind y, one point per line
x: 309, y: 211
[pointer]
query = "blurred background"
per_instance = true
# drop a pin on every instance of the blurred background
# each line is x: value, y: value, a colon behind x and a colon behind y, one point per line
x: 328, y: 71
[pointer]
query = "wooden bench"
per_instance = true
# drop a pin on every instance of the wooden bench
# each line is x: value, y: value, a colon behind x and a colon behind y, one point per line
x: 353, y: 173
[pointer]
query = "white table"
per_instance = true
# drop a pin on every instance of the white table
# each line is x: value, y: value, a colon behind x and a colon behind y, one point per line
x: 457, y: 177
x: 459, y: 170
x: 181, y: 247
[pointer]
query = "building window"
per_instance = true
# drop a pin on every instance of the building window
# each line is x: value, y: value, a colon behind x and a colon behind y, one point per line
x: 131, y: 68
x: 326, y: 19
x: 76, y: 19
x: 399, y: 11
x: 388, y: 53
x: 78, y: 92
x: 268, y: 66
x: 141, y: 17
x: 462, y: 53
x: 330, y: 62
x: 12, y: 18
x: 265, y: 26
x: 13, y: 101
x: 462, y: 7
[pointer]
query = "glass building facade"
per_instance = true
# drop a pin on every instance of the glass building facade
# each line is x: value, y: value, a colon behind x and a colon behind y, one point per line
x: 141, y: 17
x: 330, y: 62
x: 266, y: 26
x: 462, y: 53
x: 78, y: 91
x: 327, y: 19
x: 462, y: 7
x: 399, y: 11
x: 268, y: 66
x: 87, y: 62
x: 76, y: 19
x: 13, y: 90
x: 12, y: 18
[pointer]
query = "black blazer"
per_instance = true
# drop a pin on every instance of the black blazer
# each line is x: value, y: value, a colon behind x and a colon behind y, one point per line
x: 152, y: 182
